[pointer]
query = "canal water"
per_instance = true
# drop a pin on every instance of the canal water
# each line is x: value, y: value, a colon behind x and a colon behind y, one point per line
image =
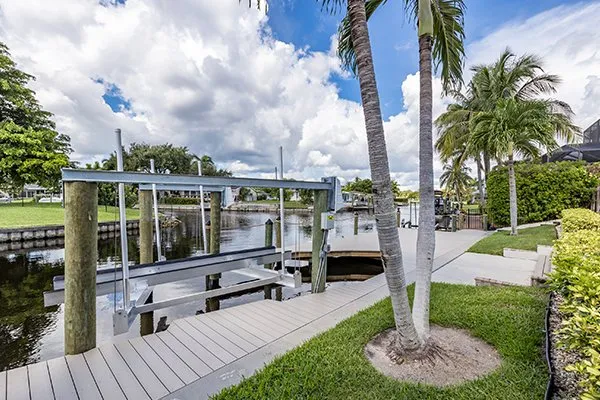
x: 30, y: 332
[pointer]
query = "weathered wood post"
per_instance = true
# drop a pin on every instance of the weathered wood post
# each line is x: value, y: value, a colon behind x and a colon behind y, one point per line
x: 278, y: 292
x: 146, y: 251
x: 318, y: 275
x: 81, y: 256
x: 356, y: 222
x: 268, y: 242
x: 212, y: 281
x: 398, y: 215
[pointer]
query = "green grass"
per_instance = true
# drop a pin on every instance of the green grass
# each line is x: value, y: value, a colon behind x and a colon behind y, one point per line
x: 286, y: 204
x: 15, y: 215
x: 333, y: 366
x: 527, y: 239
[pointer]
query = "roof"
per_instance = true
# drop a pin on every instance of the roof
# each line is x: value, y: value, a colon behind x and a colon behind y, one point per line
x: 589, y: 152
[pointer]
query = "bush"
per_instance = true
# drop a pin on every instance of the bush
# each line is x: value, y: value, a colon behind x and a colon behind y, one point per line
x: 577, y: 219
x: 543, y: 191
x: 576, y: 276
x: 181, y: 200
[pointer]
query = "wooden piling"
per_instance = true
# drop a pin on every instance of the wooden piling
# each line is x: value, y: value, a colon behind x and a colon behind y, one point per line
x: 212, y: 281
x: 320, y: 206
x: 146, y: 251
x: 398, y: 218
x: 268, y: 242
x: 355, y: 222
x: 81, y: 255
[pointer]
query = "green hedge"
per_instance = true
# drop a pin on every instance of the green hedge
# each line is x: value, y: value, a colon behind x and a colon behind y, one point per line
x: 577, y: 219
x: 180, y: 200
x: 576, y: 276
x: 543, y: 191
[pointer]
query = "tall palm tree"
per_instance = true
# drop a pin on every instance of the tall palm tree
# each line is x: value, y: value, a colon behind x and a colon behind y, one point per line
x: 520, y: 127
x: 521, y: 77
x: 456, y: 178
x: 441, y: 35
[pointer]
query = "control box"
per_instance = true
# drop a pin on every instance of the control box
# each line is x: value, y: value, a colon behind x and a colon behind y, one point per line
x: 327, y: 221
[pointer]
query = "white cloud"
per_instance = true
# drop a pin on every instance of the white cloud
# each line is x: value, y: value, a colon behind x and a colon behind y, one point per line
x: 568, y: 39
x: 209, y: 75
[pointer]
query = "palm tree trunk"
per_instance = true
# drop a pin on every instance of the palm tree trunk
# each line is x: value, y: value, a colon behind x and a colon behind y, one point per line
x: 480, y: 182
x: 512, y: 184
x: 426, y: 233
x: 383, y: 199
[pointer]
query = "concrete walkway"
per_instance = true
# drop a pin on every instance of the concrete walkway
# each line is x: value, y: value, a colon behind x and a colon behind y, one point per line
x: 469, y: 266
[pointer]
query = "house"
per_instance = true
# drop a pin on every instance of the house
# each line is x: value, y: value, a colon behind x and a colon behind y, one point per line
x: 588, y: 151
x: 250, y: 194
x: 33, y: 190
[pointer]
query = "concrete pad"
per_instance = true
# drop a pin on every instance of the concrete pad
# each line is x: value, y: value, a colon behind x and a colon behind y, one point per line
x: 468, y: 266
x: 522, y: 254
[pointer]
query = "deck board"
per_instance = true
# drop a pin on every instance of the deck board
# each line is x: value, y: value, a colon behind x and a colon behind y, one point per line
x: 40, y: 386
x: 140, y: 369
x: 162, y: 370
x: 233, y: 336
x: 107, y: 384
x: 250, y: 324
x: 200, y: 351
x: 265, y: 323
x: 122, y: 373
x: 82, y: 377
x: 235, y: 327
x: 197, y: 365
x: 225, y: 343
x: 2, y: 385
x: 210, y: 345
x: 18, y: 384
x: 181, y: 369
x: 278, y: 315
x: 62, y: 382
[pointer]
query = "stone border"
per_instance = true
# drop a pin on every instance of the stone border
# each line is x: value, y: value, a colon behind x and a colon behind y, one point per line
x: 55, y: 231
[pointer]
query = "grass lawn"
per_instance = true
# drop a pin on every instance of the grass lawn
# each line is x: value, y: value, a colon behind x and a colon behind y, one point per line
x: 333, y: 366
x: 15, y: 215
x: 286, y: 204
x: 527, y: 239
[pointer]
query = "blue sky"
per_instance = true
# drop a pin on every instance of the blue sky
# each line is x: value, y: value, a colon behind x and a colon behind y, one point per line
x: 394, y: 41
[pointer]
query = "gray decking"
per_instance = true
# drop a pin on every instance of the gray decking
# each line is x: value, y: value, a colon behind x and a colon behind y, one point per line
x: 156, y: 365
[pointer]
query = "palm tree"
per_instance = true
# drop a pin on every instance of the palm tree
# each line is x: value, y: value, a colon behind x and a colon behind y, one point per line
x: 441, y: 35
x: 520, y: 127
x: 456, y: 179
x: 522, y: 77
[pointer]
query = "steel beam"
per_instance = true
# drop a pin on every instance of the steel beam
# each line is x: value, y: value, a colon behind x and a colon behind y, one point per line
x: 135, y: 178
x: 187, y: 188
x: 109, y: 280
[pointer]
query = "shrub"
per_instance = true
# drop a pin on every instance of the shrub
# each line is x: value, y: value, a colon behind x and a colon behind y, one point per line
x: 576, y: 276
x: 181, y: 200
x: 543, y: 191
x: 576, y: 219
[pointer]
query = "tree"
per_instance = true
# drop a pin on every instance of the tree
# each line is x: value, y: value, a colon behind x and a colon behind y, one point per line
x: 456, y: 179
x: 31, y: 151
x: 520, y: 78
x: 359, y: 185
x: 441, y: 35
x: 520, y: 127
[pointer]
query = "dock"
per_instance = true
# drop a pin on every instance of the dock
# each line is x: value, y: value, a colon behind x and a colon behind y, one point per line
x: 198, y: 356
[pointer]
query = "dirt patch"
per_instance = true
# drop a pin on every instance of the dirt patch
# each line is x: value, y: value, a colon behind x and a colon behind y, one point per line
x: 457, y: 357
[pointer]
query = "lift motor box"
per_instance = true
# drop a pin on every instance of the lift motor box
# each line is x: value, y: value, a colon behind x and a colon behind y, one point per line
x: 327, y: 221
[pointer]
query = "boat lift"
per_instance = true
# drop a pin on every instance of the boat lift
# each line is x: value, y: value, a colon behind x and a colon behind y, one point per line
x: 248, y: 262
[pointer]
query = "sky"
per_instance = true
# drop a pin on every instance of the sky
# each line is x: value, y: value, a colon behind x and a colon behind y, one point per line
x: 236, y: 84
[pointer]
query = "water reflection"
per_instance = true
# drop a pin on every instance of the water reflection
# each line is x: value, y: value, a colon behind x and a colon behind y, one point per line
x: 30, y: 332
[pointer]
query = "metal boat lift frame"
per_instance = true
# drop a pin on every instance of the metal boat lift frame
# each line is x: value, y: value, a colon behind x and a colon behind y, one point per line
x: 160, y: 272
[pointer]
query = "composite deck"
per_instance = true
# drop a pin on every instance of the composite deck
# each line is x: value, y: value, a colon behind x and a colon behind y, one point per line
x: 156, y: 365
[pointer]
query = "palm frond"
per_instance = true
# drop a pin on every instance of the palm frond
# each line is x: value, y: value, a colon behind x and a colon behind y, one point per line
x: 345, y: 48
x: 448, y: 44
